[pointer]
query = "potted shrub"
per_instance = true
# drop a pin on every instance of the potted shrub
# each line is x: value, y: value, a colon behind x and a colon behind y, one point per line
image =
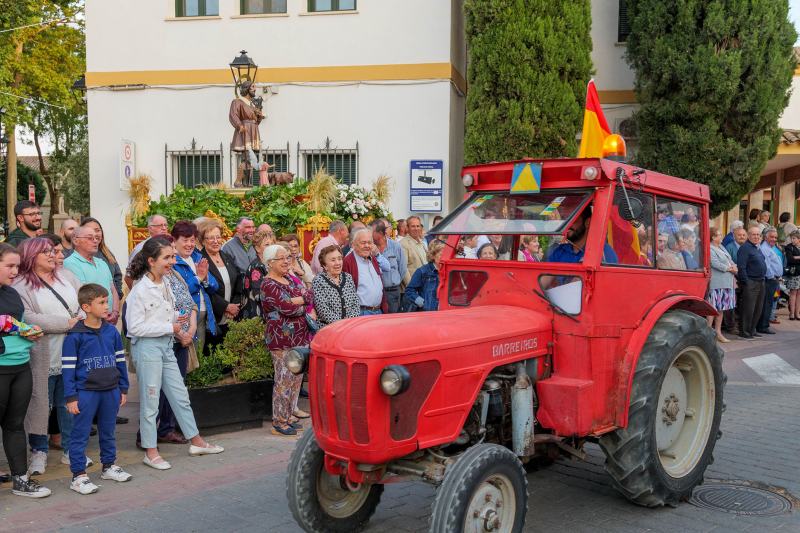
x: 232, y: 388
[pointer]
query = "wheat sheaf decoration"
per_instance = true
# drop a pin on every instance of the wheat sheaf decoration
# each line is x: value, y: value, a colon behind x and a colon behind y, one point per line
x: 139, y: 193
x: 382, y: 189
x: 321, y: 192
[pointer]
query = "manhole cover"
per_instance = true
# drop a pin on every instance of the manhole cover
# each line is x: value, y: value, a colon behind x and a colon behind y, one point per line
x: 740, y: 499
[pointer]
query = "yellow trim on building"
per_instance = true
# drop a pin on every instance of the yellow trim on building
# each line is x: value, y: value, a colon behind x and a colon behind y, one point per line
x: 420, y: 71
x: 789, y: 149
x: 617, y: 97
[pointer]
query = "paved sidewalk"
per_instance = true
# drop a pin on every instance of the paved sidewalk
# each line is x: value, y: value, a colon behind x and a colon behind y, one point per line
x: 243, y: 489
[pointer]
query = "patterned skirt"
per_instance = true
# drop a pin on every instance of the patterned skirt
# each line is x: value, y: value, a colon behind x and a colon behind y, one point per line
x: 792, y: 282
x: 722, y: 299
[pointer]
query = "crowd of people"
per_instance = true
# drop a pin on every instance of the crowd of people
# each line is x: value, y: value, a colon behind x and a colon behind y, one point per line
x: 65, y: 298
x: 750, y: 267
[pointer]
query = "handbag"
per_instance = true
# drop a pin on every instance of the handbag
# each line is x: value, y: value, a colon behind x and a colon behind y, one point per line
x: 313, y: 323
x: 790, y: 270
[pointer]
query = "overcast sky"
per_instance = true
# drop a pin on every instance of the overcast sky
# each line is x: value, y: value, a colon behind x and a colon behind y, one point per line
x: 794, y: 14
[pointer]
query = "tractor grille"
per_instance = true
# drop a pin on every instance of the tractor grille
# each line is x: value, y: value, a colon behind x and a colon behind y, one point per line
x: 404, y: 408
x: 349, y: 414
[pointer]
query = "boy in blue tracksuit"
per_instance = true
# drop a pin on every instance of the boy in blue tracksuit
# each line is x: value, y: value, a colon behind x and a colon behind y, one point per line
x: 95, y: 383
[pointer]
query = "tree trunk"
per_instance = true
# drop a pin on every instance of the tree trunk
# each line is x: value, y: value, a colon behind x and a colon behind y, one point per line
x: 48, y: 179
x: 11, y: 172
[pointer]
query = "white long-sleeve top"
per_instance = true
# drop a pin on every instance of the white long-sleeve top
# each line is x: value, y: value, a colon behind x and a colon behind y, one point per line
x: 150, y: 310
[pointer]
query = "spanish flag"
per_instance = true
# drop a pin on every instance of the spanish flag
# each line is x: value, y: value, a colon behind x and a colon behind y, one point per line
x: 595, y: 127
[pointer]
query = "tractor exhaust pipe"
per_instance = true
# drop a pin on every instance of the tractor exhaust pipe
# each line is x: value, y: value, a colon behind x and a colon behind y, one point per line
x: 522, y: 420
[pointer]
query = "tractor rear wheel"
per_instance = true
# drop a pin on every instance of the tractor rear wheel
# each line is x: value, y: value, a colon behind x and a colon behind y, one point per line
x: 674, y: 416
x: 485, y: 490
x: 323, y: 503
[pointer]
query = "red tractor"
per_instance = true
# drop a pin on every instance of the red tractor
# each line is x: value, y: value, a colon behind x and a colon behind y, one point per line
x: 604, y: 339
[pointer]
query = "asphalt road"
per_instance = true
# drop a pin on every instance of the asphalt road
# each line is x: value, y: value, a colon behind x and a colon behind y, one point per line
x: 244, y: 488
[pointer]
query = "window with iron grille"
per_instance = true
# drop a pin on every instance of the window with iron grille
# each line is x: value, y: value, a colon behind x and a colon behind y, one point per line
x: 278, y: 159
x: 194, y: 170
x: 623, y: 25
x: 196, y: 8
x: 317, y: 6
x: 258, y: 7
x: 342, y: 165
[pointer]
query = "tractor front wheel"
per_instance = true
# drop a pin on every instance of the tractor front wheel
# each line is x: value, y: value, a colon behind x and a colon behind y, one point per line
x: 674, y: 415
x: 485, y: 490
x: 320, y: 502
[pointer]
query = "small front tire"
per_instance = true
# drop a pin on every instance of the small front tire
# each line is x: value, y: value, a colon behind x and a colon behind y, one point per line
x: 320, y: 502
x: 485, y: 490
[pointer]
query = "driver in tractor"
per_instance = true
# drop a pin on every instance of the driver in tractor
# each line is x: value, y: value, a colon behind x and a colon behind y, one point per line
x: 571, y: 251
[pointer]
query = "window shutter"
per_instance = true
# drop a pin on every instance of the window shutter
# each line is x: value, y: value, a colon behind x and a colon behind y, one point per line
x: 178, y: 8
x: 623, y: 27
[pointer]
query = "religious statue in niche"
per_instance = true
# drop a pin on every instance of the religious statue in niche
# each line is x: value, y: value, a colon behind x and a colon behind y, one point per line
x: 245, y: 115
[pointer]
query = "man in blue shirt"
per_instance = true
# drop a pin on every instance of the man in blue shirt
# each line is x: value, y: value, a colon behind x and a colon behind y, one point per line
x: 572, y: 250
x: 396, y: 256
x: 752, y: 271
x: 774, y: 263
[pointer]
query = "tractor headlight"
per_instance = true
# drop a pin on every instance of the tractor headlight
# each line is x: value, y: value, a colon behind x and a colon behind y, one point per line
x: 395, y: 379
x: 297, y: 360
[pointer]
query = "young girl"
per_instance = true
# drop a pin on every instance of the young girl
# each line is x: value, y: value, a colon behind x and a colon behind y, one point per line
x: 152, y: 327
x: 16, y: 382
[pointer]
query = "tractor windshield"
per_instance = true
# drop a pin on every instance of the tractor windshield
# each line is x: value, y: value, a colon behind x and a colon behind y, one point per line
x: 502, y: 213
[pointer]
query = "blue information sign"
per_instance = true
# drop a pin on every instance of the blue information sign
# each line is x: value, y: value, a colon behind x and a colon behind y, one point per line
x: 426, y: 185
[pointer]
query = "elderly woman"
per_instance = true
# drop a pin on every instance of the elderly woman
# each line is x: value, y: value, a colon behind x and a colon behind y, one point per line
x: 420, y: 293
x: 722, y: 288
x: 256, y: 272
x: 284, y: 308
x: 222, y: 267
x: 50, y: 298
x: 487, y: 251
x: 671, y: 257
x: 531, y: 249
x: 792, y: 274
x: 335, y: 295
x: 299, y: 267
x: 193, y: 268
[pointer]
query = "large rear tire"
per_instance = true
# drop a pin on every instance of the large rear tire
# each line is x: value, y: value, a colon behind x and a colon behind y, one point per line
x: 674, y: 416
x: 485, y: 490
x: 320, y: 502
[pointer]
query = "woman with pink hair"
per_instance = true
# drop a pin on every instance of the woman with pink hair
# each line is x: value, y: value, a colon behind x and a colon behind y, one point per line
x: 50, y: 297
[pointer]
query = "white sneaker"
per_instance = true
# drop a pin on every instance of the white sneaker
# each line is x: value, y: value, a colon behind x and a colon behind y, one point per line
x: 83, y: 485
x: 38, y: 463
x: 208, y: 449
x: 65, y: 460
x: 115, y: 473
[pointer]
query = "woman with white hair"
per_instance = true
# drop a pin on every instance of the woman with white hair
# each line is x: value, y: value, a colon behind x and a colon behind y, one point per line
x: 284, y: 304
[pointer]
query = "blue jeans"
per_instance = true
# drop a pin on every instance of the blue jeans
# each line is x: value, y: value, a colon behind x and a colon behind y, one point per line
x: 104, y: 404
x: 367, y: 312
x: 166, y: 418
x: 157, y: 370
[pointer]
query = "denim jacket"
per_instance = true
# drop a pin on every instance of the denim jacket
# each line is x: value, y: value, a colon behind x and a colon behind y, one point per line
x: 420, y: 293
x: 196, y: 289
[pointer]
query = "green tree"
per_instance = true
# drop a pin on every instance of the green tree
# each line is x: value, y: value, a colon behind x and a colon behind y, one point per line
x: 73, y: 172
x: 529, y: 63
x: 38, y: 65
x: 25, y: 176
x: 712, y: 78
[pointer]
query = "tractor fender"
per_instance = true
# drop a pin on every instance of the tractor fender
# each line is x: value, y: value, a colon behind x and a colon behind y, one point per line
x: 639, y: 336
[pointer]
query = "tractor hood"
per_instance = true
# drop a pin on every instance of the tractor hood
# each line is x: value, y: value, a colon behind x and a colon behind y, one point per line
x: 372, y: 337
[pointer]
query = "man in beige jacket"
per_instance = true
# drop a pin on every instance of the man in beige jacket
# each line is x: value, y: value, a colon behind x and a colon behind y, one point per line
x: 415, y: 247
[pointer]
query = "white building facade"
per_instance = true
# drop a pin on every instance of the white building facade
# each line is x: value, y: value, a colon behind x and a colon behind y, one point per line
x: 363, y: 86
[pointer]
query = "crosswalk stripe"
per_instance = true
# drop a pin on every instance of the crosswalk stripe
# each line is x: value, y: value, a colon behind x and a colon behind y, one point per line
x: 773, y: 369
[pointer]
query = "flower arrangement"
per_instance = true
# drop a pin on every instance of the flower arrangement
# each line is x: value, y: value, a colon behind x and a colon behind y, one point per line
x: 356, y: 203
